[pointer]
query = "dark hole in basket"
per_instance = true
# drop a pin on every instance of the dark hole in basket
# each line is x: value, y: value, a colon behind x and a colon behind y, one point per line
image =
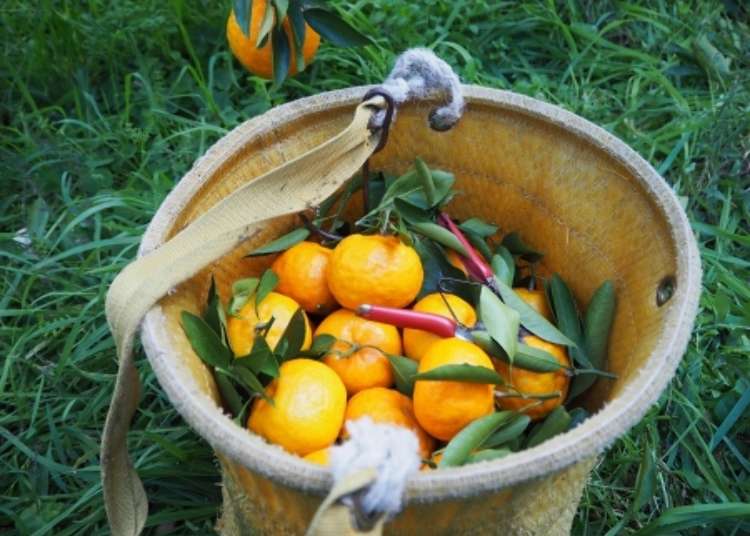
x: 665, y: 290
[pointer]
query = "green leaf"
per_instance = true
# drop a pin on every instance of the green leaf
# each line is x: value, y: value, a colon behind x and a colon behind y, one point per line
x: 463, y: 372
x: 282, y: 55
x: 556, y: 422
x: 597, y: 325
x: 425, y: 178
x: 205, y: 341
x: 243, y: 14
x: 297, y: 25
x: 229, y: 394
x: 412, y: 214
x: 214, y: 314
x: 281, y: 9
x: 566, y: 313
x: 261, y: 359
x: 530, y: 318
x: 265, y: 26
x: 268, y: 282
x: 333, y: 28
x: 400, y: 187
x: 479, y: 243
x: 439, y: 234
x: 436, y: 268
x: 249, y: 380
x: 322, y: 343
x: 282, y: 243
x: 478, y: 227
x: 486, y: 455
x: 508, y: 432
x: 242, y: 291
x: 577, y: 416
x: 294, y: 335
x: 598, y: 322
x: 404, y: 370
x: 527, y: 357
x: 504, y: 268
x: 501, y: 321
x: 517, y: 246
x: 443, y: 184
x: 475, y: 433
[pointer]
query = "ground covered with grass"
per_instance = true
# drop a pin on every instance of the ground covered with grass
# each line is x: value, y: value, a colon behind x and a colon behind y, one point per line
x: 104, y: 105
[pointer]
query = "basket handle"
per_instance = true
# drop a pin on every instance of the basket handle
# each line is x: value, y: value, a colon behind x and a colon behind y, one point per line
x: 288, y: 189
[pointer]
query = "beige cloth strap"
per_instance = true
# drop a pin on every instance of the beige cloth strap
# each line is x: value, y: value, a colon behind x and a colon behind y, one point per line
x: 335, y: 518
x: 299, y: 184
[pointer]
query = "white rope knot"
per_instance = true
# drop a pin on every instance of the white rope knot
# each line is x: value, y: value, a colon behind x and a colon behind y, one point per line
x: 419, y: 73
x: 393, y: 451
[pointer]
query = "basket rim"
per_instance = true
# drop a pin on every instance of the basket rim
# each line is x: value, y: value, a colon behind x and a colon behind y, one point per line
x: 584, y: 442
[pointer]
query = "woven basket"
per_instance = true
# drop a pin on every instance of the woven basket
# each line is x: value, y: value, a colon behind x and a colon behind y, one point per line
x: 579, y: 194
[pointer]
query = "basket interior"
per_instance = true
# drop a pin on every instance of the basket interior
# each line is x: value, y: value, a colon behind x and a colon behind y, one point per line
x: 566, y: 195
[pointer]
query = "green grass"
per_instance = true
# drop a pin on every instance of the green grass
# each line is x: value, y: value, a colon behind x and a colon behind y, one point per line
x: 106, y: 104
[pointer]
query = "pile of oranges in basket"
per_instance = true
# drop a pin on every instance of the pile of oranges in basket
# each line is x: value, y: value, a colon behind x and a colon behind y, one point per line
x: 407, y: 317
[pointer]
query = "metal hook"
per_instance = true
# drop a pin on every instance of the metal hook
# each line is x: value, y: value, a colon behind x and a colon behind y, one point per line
x: 387, y: 120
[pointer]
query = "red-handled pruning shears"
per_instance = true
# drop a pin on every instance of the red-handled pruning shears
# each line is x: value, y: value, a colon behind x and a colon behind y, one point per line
x: 405, y: 318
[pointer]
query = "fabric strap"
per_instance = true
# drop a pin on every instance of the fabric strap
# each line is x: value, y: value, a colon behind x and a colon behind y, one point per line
x: 299, y: 184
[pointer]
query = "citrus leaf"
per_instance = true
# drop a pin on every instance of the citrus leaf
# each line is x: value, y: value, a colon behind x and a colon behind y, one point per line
x: 600, y: 314
x: 229, y: 394
x: 265, y: 26
x: 566, y: 313
x: 282, y: 6
x: 598, y: 320
x: 436, y: 267
x: 556, y: 422
x: 504, y: 267
x: 281, y: 54
x: 442, y: 182
x: 439, y: 234
x: 501, y: 321
x: 540, y: 358
x: 242, y: 290
x: 214, y: 314
x: 400, y: 187
x: 205, y: 341
x: 260, y: 359
x: 577, y: 416
x: 527, y: 357
x: 517, y: 246
x: 478, y: 227
x: 243, y: 14
x: 486, y: 455
x: 322, y: 344
x: 411, y: 213
x: 332, y: 27
x: 282, y: 243
x: 297, y: 25
x: 252, y: 383
x: 472, y: 435
x: 479, y: 243
x: 530, y: 318
x: 425, y: 178
x: 404, y: 370
x: 294, y: 335
x: 463, y: 372
x: 508, y: 432
x: 268, y: 282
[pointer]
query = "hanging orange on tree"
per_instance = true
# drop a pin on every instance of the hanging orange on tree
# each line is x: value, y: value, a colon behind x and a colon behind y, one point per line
x: 276, y: 38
